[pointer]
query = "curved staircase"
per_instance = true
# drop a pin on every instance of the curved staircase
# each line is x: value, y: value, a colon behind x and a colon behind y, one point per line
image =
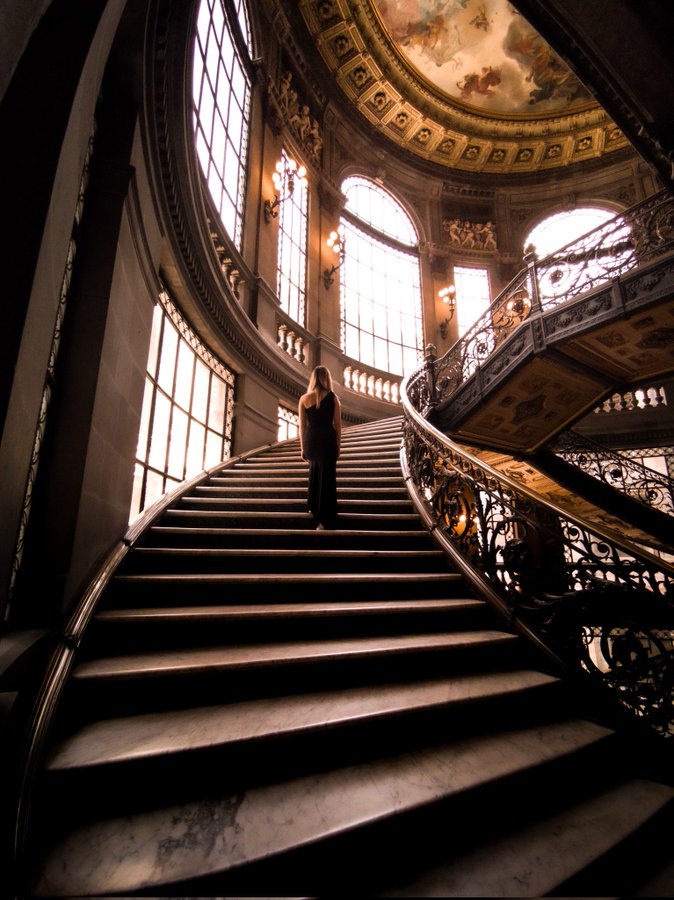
x: 263, y: 709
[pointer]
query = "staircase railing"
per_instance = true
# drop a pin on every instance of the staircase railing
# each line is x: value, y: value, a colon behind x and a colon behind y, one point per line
x: 631, y: 239
x: 612, y: 468
x: 585, y: 595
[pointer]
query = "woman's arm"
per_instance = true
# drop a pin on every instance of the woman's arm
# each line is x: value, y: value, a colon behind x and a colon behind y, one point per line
x: 303, y: 421
x: 337, y: 422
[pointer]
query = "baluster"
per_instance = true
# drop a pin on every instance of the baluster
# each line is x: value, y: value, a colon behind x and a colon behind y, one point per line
x: 362, y: 382
x: 387, y: 390
x: 395, y: 392
x: 370, y: 385
x: 283, y: 336
x: 378, y: 388
x: 299, y: 349
x: 347, y: 376
x: 291, y: 343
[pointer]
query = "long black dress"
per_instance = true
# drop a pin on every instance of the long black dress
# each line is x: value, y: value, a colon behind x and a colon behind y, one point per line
x: 319, y: 441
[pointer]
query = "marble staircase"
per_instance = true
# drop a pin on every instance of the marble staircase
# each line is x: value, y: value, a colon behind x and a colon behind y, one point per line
x: 262, y: 709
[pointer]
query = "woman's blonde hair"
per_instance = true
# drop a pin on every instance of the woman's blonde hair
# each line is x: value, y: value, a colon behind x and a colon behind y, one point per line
x: 320, y: 378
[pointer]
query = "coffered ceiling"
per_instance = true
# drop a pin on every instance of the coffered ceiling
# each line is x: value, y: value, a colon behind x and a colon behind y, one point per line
x: 468, y: 84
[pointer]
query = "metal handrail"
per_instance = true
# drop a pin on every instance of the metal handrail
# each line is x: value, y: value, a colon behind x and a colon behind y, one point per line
x: 612, y: 468
x: 584, y: 593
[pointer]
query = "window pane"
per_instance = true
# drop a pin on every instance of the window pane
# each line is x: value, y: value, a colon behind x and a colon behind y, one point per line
x: 213, y: 449
x: 195, y: 449
x: 184, y: 375
x: 216, y: 409
x: 200, y: 398
x: 160, y: 431
x: 177, y: 443
x: 167, y: 362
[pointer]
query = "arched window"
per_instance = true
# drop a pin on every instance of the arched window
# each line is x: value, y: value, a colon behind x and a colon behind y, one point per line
x: 221, y: 108
x: 380, y: 281
x: 562, y: 228
x: 600, y: 247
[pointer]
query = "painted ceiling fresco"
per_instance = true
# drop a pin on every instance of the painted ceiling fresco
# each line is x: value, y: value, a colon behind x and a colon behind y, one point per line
x: 482, y: 53
x: 466, y: 84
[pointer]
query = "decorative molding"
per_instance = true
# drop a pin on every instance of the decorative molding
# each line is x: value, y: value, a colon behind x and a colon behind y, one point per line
x: 372, y: 75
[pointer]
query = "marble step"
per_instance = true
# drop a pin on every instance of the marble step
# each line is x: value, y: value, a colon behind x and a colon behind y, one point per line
x: 239, y: 658
x: 536, y: 860
x: 132, y: 738
x: 348, y: 521
x: 175, y: 535
x: 166, y: 846
x: 206, y: 588
x: 300, y: 480
x: 345, y: 472
x: 368, y: 506
x: 147, y: 627
x: 169, y: 560
x: 299, y: 491
x: 281, y: 609
x: 130, y: 681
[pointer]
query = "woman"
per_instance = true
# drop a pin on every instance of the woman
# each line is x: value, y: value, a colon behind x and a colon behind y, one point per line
x: 320, y: 438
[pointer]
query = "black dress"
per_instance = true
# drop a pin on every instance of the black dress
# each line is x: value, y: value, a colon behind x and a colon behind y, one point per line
x: 319, y: 441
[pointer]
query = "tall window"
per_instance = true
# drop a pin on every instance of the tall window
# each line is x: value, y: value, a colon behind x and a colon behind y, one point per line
x: 221, y: 108
x: 292, y: 245
x: 472, y: 295
x: 186, y: 423
x: 380, y: 280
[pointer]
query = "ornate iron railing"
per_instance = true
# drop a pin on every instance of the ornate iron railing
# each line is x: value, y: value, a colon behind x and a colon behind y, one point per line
x: 642, y: 233
x: 610, y: 467
x: 585, y: 595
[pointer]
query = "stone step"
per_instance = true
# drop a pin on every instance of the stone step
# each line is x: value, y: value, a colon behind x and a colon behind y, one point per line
x: 219, y: 659
x: 297, y: 505
x: 177, y: 731
x: 221, y: 833
x: 537, y: 860
x: 348, y: 521
x: 277, y: 621
x: 168, y: 560
x: 298, y: 491
x: 178, y: 536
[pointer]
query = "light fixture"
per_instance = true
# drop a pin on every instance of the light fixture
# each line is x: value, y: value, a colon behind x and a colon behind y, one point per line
x: 336, y: 243
x: 287, y: 175
x: 448, y: 296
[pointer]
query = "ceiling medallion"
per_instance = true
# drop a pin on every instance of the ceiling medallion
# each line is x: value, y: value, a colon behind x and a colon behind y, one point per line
x: 466, y: 83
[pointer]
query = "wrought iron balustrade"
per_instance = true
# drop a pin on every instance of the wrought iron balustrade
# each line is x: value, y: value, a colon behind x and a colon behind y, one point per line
x: 612, y: 468
x: 631, y: 239
x: 589, y: 598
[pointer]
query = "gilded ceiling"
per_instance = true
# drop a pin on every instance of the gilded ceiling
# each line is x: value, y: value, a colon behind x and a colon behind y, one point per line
x: 465, y: 83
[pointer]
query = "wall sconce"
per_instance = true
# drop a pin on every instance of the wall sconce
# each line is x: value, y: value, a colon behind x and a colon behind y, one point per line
x: 287, y: 174
x: 336, y: 243
x: 448, y: 296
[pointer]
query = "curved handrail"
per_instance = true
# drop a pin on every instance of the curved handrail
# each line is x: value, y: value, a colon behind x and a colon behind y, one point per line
x: 630, y: 239
x: 65, y: 641
x: 610, y: 467
x: 585, y: 594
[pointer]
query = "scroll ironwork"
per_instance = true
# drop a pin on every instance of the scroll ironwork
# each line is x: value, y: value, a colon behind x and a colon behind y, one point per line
x: 601, y: 605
